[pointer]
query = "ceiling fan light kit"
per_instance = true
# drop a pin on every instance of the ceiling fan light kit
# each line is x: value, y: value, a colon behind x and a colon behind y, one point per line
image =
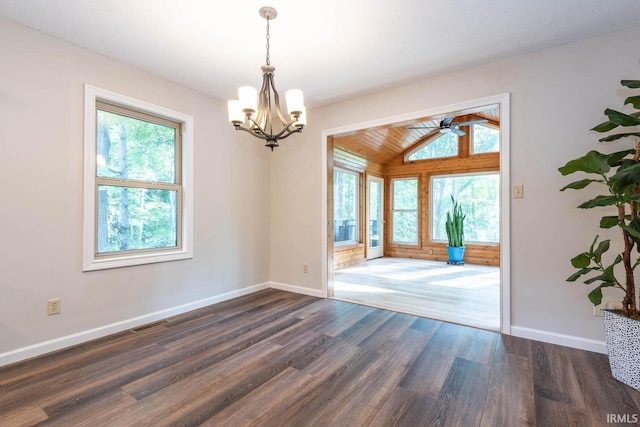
x: 255, y: 112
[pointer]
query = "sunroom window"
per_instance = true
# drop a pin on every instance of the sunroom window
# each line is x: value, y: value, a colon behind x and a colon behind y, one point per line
x: 442, y: 145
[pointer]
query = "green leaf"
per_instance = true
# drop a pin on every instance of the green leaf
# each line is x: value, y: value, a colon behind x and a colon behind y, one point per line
x: 632, y: 84
x: 608, y: 221
x: 599, y: 201
x: 604, y: 127
x: 633, y: 100
x: 575, y: 276
x: 593, y: 244
x: 618, y: 136
x: 633, y: 228
x: 602, y: 248
x: 592, y: 162
x: 621, y: 118
x: 627, y: 174
x: 600, y: 278
x: 609, y: 275
x: 581, y: 261
x: 615, y: 158
x: 580, y: 184
x: 595, y: 296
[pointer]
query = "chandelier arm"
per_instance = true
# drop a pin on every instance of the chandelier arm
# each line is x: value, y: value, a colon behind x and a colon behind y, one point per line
x: 256, y: 130
x: 291, y: 132
x: 263, y: 117
x: 288, y: 131
x: 276, y: 97
x: 255, y: 127
x: 259, y: 135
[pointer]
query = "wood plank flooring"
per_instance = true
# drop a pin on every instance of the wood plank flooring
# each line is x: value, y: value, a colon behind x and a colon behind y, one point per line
x: 275, y: 358
x: 464, y: 294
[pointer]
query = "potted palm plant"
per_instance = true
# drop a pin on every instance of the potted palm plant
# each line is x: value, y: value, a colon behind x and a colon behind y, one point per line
x: 455, y: 233
x: 618, y: 174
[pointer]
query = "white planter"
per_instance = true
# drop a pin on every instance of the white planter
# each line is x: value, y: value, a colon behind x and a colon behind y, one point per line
x: 622, y: 335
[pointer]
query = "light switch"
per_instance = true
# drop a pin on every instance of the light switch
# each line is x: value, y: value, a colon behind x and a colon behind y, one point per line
x: 518, y: 191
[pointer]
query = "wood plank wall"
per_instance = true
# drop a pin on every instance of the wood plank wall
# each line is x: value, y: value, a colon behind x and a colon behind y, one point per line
x: 348, y: 255
x: 423, y: 170
x: 344, y: 256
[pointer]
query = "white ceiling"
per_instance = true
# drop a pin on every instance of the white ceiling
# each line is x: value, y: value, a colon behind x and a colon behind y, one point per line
x: 331, y: 49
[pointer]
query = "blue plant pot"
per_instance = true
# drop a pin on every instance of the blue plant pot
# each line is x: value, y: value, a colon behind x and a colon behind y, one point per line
x: 456, y: 253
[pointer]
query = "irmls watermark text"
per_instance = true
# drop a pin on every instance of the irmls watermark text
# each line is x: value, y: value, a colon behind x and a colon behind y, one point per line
x: 622, y: 418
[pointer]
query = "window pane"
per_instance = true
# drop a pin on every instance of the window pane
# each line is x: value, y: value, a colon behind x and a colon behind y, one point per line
x: 136, y: 218
x: 345, y: 205
x: 445, y: 145
x: 375, y: 213
x: 479, y: 197
x: 405, y: 194
x: 405, y: 210
x: 405, y: 226
x: 135, y: 149
x: 485, y: 139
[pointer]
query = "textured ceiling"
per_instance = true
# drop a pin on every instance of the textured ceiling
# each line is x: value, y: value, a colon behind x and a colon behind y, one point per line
x: 331, y: 49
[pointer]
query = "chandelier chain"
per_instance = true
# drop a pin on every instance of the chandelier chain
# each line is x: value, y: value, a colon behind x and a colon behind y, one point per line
x: 268, y: 57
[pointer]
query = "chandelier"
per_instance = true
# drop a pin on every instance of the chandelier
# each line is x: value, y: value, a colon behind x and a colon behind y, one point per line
x: 253, y: 112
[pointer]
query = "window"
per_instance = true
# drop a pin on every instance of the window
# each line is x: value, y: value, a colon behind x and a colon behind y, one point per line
x: 486, y: 139
x: 345, y: 206
x: 137, y: 202
x: 442, y: 145
x: 404, y: 206
x: 479, y: 197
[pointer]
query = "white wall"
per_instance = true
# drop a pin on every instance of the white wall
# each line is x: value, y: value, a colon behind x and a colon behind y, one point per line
x: 557, y: 95
x: 250, y: 233
x: 41, y: 155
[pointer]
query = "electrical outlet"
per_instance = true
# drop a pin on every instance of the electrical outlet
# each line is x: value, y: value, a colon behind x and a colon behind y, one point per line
x: 597, y: 309
x: 53, y: 306
x: 305, y: 268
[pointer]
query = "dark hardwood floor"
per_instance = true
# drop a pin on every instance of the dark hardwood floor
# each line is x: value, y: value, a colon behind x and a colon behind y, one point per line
x: 280, y: 359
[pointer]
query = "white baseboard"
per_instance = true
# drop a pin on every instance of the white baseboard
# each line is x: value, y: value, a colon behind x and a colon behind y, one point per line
x: 560, y: 339
x: 297, y: 289
x: 84, y: 336
x: 80, y: 337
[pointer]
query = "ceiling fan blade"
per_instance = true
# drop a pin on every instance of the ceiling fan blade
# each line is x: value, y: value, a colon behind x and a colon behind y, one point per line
x: 424, y: 127
x: 471, y: 122
x: 457, y: 131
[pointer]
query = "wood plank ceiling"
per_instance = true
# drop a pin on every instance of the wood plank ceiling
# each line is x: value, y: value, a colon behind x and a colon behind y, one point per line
x: 383, y: 143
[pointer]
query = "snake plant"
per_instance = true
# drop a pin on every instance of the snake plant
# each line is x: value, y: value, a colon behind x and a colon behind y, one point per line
x: 455, y: 225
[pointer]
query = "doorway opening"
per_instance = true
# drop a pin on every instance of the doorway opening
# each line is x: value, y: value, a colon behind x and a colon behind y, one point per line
x: 407, y: 169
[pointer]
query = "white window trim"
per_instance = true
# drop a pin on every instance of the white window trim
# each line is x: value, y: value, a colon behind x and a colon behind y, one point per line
x: 89, y: 259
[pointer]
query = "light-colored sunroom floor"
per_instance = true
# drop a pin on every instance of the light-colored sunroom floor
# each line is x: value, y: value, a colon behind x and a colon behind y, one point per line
x: 463, y: 294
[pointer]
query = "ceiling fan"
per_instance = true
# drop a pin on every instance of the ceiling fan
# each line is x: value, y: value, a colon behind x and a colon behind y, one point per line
x: 447, y: 125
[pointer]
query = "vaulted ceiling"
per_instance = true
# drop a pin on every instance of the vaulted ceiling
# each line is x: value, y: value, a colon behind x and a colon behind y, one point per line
x: 383, y: 143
